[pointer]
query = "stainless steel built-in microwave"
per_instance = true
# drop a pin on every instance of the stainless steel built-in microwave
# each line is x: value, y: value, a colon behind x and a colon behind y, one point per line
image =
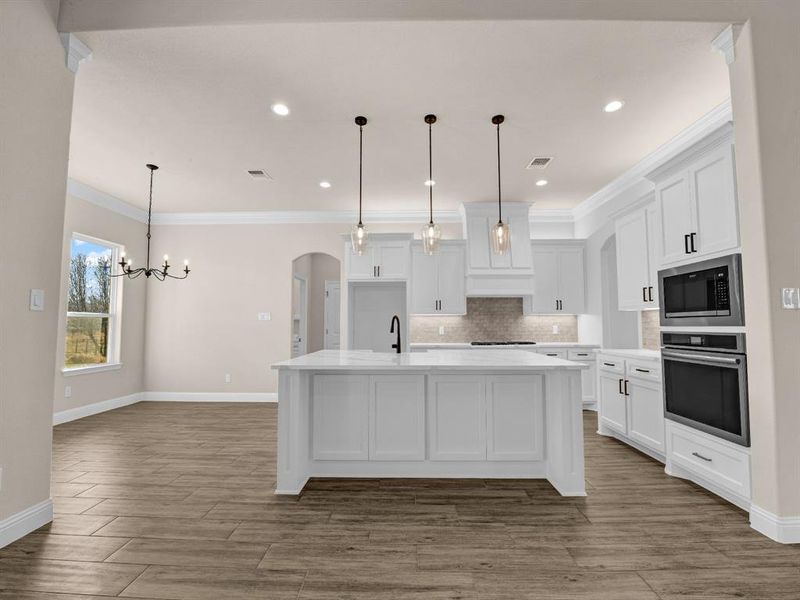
x: 703, y: 293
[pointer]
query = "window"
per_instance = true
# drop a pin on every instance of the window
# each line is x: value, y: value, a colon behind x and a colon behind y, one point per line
x: 92, y: 304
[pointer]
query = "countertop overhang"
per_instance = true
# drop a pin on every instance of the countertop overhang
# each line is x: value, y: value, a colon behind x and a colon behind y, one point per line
x: 442, y: 360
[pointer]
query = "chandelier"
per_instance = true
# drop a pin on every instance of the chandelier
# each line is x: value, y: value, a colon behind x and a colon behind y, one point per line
x: 161, y: 274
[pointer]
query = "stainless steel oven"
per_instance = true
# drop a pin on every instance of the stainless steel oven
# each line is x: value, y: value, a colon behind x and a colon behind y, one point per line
x: 705, y: 383
x: 703, y: 293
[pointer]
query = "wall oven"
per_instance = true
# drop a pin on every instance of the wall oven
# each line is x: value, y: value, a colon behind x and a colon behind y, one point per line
x: 703, y: 293
x: 705, y: 383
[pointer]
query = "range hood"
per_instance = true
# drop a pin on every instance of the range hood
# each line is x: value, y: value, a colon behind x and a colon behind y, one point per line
x: 498, y: 276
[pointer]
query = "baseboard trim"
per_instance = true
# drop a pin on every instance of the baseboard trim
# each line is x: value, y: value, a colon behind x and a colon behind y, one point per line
x: 80, y: 412
x: 785, y: 530
x: 210, y: 397
x: 25, y: 521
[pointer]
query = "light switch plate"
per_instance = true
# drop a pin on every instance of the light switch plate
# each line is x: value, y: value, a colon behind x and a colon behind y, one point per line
x: 227, y: 377
x: 264, y: 316
x: 37, y: 300
x: 555, y: 328
x: 441, y: 329
x: 67, y: 391
x: 791, y: 298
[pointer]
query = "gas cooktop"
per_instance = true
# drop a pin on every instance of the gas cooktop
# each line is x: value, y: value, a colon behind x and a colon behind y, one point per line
x: 502, y: 343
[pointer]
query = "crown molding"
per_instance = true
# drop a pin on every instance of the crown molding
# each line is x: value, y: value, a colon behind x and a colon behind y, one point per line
x: 706, y: 124
x: 103, y: 200
x: 76, y: 51
x: 725, y: 43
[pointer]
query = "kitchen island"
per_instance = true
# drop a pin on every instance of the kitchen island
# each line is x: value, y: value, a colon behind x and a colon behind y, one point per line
x: 444, y: 414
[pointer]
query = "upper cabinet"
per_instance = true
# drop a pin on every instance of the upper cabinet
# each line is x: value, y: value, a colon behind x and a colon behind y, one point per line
x: 491, y: 274
x: 558, y: 281
x: 637, y: 282
x: 387, y: 257
x: 438, y: 281
x: 696, y: 201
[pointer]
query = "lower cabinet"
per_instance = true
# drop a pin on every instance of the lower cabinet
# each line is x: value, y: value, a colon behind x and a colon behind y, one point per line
x: 446, y: 418
x: 631, y: 405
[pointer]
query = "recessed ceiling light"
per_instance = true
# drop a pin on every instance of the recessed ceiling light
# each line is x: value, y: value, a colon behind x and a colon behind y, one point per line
x: 613, y: 106
x: 430, y: 182
x: 325, y: 184
x: 541, y: 182
x: 280, y: 109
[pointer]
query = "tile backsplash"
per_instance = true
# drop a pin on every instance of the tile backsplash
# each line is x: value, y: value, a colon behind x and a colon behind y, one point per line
x: 651, y: 330
x: 494, y: 319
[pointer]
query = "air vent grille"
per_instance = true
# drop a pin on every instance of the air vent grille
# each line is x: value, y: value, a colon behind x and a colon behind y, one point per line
x: 259, y: 174
x: 539, y: 162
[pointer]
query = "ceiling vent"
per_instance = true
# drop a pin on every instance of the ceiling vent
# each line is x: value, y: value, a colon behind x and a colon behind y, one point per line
x: 259, y: 174
x: 539, y: 162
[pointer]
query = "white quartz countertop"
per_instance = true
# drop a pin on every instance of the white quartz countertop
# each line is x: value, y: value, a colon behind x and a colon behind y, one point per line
x: 633, y: 353
x: 453, y: 360
x: 467, y: 345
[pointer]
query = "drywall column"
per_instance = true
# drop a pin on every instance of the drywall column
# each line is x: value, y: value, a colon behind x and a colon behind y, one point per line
x: 765, y: 86
x: 36, y: 99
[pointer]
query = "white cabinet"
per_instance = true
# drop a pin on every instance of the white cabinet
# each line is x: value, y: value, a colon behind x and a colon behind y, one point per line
x: 438, y: 281
x: 397, y: 417
x: 696, y: 201
x: 387, y: 257
x: 515, y: 418
x: 340, y: 410
x: 588, y: 376
x: 631, y: 403
x: 457, y: 417
x: 637, y: 283
x: 558, y: 277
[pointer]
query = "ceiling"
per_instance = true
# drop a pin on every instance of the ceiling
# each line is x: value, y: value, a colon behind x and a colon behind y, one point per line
x: 196, y: 101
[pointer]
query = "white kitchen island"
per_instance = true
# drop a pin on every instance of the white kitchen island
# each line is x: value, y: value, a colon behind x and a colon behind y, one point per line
x: 459, y: 413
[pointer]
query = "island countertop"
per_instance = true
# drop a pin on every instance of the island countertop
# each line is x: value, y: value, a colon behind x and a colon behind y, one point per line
x: 442, y: 360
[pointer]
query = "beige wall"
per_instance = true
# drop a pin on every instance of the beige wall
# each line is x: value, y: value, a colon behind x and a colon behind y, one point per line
x: 199, y: 329
x: 36, y: 105
x: 323, y: 267
x: 86, y: 218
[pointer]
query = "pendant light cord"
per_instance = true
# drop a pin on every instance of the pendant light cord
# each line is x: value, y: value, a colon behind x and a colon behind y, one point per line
x: 499, y: 191
x: 430, y: 170
x: 360, y: 167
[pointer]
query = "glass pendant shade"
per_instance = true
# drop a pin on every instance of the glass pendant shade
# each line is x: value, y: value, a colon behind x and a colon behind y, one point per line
x: 500, y: 238
x: 358, y: 238
x: 431, y: 236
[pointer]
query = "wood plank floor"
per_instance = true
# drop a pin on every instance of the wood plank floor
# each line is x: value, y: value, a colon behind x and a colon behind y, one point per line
x: 174, y: 501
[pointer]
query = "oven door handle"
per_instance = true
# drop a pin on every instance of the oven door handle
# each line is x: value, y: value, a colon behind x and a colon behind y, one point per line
x: 720, y: 360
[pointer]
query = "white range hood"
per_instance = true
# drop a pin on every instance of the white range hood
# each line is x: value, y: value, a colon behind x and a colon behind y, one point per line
x: 491, y: 275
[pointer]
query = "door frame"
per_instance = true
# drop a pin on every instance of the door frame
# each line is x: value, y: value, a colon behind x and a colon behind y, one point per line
x: 331, y: 283
x: 303, y: 327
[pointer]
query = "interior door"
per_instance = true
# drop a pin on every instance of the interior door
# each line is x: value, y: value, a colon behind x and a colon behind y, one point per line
x: 613, y: 409
x: 570, y: 280
x: 424, y: 281
x: 632, y: 262
x: 714, y: 189
x: 332, y: 317
x: 676, y: 209
x: 452, y: 282
x: 545, y: 279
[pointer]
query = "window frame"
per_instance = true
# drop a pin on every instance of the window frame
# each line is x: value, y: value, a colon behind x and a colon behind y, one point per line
x: 114, y: 316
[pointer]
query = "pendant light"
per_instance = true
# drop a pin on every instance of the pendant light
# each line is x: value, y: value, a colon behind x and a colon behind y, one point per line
x: 431, y: 233
x: 358, y: 235
x: 500, y: 234
x: 160, y: 274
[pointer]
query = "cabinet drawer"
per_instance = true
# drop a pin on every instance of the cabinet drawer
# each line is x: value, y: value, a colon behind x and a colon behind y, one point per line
x: 553, y: 353
x: 646, y: 370
x: 611, y: 364
x: 580, y: 355
x: 716, y: 461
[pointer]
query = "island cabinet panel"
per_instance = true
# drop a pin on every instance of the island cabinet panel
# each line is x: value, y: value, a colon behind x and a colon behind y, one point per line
x: 340, y: 414
x: 397, y: 417
x: 457, y: 417
x: 515, y: 418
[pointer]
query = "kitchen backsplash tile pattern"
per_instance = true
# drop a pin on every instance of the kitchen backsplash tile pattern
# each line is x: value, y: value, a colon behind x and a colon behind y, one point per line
x: 494, y: 319
x: 651, y: 330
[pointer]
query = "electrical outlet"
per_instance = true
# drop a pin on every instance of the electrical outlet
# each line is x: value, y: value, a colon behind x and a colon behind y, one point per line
x: 441, y: 329
x: 265, y: 316
x: 791, y: 298
x: 555, y: 328
x: 67, y: 391
x: 227, y: 377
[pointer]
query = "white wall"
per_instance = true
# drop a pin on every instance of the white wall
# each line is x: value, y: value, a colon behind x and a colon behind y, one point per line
x: 35, y: 114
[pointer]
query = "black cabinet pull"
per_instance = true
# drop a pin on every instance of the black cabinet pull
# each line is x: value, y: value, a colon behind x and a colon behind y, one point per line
x: 581, y: 354
x: 609, y: 364
x: 701, y: 457
x: 551, y: 354
x: 650, y: 293
x: 379, y: 270
x: 644, y: 294
x: 560, y: 305
x: 691, y: 239
x: 620, y: 386
x: 374, y: 271
x: 686, y: 243
x: 626, y: 388
x: 643, y: 370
